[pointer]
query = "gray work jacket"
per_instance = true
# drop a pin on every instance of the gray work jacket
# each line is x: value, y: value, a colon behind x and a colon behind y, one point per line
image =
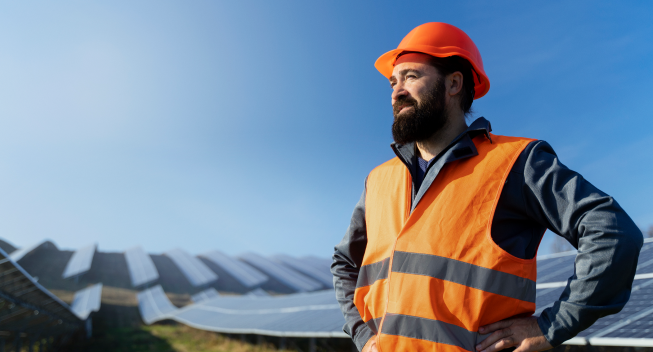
x: 540, y: 193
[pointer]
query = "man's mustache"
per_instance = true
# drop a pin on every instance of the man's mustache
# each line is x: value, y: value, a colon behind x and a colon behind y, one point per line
x: 402, y: 102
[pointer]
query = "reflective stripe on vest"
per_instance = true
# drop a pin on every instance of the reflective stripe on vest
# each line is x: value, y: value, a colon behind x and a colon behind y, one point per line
x: 432, y: 277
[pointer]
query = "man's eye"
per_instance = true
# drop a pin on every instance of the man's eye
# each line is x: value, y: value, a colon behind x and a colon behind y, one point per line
x: 411, y: 76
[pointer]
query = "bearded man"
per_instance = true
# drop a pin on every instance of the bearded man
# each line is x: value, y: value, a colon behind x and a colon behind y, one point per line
x: 440, y: 254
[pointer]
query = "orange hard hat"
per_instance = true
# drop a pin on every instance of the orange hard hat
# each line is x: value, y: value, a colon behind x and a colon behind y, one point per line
x: 440, y: 40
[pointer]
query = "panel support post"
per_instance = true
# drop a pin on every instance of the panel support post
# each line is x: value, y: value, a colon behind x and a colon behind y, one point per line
x: 30, y: 347
x: 282, y: 343
x: 311, y: 345
x: 17, y: 342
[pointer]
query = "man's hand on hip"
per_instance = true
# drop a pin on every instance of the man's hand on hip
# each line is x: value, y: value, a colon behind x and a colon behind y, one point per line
x: 522, y: 333
x: 370, y: 346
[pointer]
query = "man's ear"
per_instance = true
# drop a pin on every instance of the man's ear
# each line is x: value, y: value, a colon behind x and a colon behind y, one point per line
x: 454, y: 83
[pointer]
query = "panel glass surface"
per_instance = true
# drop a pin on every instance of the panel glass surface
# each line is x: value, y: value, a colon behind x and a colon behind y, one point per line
x: 555, y: 269
x: 244, y: 273
x: 140, y: 265
x: 21, y: 252
x: 310, y: 268
x: 80, y: 262
x: 87, y: 300
x: 196, y: 272
x: 314, y: 314
x: 640, y: 300
x: 287, y: 276
x: 154, y: 305
x: 205, y: 295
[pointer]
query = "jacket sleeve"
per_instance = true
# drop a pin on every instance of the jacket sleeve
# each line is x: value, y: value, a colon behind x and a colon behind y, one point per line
x: 608, y: 243
x: 347, y: 259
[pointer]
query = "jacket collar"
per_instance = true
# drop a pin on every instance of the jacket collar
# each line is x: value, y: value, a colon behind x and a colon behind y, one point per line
x: 461, y: 147
x: 406, y: 152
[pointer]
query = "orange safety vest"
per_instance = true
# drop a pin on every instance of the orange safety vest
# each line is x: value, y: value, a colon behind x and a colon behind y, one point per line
x: 447, y: 277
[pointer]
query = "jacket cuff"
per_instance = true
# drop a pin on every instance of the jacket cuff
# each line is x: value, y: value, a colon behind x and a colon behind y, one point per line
x: 554, y: 333
x: 363, y: 334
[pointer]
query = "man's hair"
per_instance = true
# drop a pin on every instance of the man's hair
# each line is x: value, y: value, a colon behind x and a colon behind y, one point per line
x: 451, y: 64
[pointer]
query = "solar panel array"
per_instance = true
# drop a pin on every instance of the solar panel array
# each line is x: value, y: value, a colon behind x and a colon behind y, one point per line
x: 313, y: 269
x: 80, y: 262
x: 196, y: 272
x: 140, y: 266
x: 207, y: 294
x: 241, y: 271
x: 315, y: 314
x: 633, y: 326
x: 87, y: 301
x: 289, y: 277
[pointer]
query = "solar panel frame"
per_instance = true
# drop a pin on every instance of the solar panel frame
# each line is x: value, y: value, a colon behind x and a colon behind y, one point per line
x: 196, y: 272
x: 287, y: 276
x: 87, y: 300
x: 80, y: 262
x: 141, y: 267
x: 24, y: 294
x: 241, y: 271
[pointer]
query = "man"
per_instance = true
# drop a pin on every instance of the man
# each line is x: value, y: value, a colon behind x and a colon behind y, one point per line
x: 440, y: 252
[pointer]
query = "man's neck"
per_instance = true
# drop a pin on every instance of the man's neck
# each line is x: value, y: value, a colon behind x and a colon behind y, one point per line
x: 430, y: 148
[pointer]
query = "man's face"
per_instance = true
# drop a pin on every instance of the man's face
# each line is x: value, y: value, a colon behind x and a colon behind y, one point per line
x: 418, y: 99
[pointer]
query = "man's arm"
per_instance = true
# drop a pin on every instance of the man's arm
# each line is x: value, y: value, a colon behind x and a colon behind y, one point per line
x: 347, y: 259
x: 608, y: 244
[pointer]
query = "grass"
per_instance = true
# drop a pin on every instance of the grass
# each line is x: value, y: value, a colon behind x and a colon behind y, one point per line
x: 173, y: 337
x: 185, y: 339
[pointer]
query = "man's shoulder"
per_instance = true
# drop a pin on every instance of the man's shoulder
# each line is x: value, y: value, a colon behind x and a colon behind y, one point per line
x: 390, y: 164
x: 510, y: 139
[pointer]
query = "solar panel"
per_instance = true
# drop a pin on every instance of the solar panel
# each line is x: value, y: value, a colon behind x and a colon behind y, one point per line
x: 87, y: 301
x: 21, y: 252
x: 241, y: 271
x: 287, y: 276
x: 632, y: 326
x: 140, y: 265
x: 318, y: 262
x: 22, y: 296
x: 195, y: 271
x: 207, y: 294
x: 315, y: 314
x: 154, y: 305
x: 80, y: 262
x: 258, y: 292
x: 308, y: 267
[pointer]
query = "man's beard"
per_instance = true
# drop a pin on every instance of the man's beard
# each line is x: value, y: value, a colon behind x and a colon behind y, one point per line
x: 425, y: 120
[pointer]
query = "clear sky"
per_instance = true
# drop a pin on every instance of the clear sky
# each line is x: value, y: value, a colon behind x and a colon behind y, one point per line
x: 251, y: 125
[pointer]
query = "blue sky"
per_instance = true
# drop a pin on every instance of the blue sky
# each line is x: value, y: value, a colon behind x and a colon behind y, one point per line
x: 251, y: 125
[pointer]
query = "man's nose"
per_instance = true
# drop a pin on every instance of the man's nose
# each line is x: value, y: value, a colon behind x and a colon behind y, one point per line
x: 398, y: 91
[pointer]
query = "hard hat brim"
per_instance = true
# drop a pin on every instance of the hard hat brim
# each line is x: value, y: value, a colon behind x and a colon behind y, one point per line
x: 386, y: 63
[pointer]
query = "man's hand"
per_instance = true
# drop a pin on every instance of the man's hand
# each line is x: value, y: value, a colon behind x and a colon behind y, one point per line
x: 522, y: 333
x: 370, y: 346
